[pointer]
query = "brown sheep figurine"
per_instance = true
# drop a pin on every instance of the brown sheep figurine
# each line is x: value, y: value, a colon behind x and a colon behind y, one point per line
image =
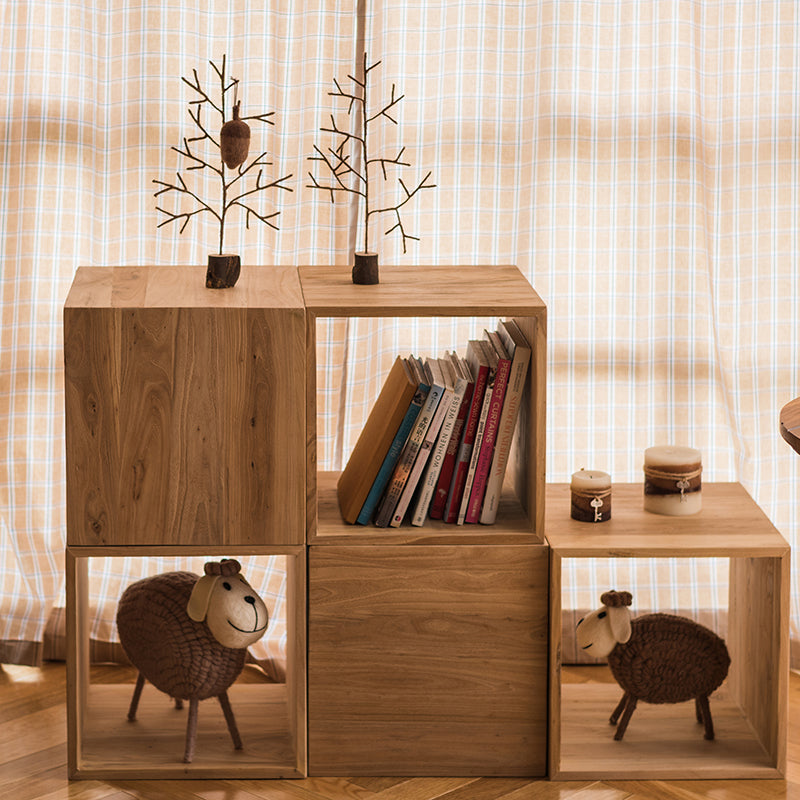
x: 657, y: 658
x: 188, y: 635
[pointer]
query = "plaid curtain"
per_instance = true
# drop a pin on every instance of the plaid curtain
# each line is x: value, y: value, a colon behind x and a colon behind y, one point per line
x: 637, y: 161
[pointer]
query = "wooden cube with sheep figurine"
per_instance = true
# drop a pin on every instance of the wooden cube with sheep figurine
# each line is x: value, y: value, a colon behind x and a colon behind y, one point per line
x: 188, y: 635
x: 656, y: 658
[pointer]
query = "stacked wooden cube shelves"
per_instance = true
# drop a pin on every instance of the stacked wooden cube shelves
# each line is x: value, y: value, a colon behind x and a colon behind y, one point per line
x: 185, y: 436
x: 427, y: 646
x: 191, y: 420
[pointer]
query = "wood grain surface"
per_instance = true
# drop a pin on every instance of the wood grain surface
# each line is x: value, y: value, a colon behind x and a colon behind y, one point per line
x: 427, y: 660
x: 420, y: 291
x: 184, y: 408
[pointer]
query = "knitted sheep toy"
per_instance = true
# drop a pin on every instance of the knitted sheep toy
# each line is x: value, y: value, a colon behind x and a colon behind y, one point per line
x: 188, y: 635
x: 657, y: 658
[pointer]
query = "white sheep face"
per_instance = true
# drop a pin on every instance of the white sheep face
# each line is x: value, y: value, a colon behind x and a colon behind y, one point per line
x: 236, y: 616
x: 599, y: 632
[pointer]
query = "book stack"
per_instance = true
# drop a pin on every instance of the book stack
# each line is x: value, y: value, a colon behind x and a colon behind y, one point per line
x: 437, y: 441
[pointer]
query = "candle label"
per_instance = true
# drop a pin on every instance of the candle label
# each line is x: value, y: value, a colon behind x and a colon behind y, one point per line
x: 683, y: 481
x: 586, y: 507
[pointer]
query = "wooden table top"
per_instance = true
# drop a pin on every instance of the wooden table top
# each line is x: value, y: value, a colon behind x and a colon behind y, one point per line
x: 790, y: 423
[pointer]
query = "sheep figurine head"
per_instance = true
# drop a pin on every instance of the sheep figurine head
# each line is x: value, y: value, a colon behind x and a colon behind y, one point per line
x: 599, y: 632
x: 236, y: 616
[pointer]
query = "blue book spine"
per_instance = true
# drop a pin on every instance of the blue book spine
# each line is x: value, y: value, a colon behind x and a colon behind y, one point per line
x: 385, y: 472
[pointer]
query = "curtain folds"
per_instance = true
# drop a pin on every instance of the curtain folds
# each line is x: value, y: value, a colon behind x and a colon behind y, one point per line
x: 637, y: 161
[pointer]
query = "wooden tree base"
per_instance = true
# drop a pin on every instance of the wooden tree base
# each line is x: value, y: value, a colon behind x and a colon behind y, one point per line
x: 223, y: 271
x: 365, y: 269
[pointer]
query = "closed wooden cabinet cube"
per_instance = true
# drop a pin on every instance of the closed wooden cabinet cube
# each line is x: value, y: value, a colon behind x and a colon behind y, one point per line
x: 428, y: 660
x: 185, y: 414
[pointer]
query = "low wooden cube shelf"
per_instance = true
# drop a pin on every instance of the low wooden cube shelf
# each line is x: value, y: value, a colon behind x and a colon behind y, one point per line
x: 750, y: 708
x: 271, y: 717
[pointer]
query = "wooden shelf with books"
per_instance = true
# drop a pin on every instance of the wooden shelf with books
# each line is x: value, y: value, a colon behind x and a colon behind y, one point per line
x: 405, y: 292
x: 427, y: 641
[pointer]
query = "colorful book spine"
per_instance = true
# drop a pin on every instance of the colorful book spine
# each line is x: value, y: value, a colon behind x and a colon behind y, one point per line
x: 520, y: 352
x: 392, y: 457
x: 407, y: 457
x: 431, y: 475
x: 486, y: 453
x: 421, y: 460
x: 439, y: 500
x: 476, y: 450
x: 480, y: 371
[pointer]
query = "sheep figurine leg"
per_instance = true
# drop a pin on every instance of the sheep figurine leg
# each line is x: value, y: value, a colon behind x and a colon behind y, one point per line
x: 230, y: 720
x: 137, y: 693
x: 703, y: 711
x: 656, y: 658
x: 626, y: 706
x: 188, y: 635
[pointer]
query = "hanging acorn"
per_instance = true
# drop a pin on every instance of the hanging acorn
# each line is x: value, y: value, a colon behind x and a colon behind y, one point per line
x: 234, y: 140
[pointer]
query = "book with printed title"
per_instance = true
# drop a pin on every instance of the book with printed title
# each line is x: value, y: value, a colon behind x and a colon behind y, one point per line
x: 408, y: 455
x: 519, y: 350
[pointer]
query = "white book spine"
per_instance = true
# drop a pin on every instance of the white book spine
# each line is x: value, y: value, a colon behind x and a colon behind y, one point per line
x: 431, y: 475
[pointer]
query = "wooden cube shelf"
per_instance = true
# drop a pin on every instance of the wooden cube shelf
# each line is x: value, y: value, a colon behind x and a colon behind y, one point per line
x: 427, y: 646
x: 414, y: 291
x: 749, y: 709
x: 184, y: 407
x: 271, y: 717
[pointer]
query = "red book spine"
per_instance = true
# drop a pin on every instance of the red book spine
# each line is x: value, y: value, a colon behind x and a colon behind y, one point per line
x: 465, y: 449
x: 489, y: 438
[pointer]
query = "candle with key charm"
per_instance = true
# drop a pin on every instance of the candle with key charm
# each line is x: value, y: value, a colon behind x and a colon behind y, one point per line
x: 672, y: 483
x: 590, y: 493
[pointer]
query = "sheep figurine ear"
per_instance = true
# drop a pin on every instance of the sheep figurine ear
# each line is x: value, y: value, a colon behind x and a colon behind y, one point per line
x: 197, y: 607
x: 619, y: 616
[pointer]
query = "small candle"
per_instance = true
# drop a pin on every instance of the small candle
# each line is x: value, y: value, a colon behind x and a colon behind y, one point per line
x: 590, y: 496
x: 672, y: 484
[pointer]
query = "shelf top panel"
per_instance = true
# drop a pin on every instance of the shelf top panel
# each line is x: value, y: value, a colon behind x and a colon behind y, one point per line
x: 182, y: 287
x: 730, y: 523
x: 421, y: 291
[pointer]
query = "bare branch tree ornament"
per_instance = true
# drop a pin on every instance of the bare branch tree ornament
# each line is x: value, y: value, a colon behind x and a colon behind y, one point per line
x: 224, y: 154
x: 351, y: 166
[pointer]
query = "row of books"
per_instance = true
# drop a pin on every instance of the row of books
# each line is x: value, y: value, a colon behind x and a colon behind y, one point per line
x: 437, y: 440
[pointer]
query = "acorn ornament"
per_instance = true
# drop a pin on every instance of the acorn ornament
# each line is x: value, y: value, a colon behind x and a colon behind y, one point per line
x: 234, y: 140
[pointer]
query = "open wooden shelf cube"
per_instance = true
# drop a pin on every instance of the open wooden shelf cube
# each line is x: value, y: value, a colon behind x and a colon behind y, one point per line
x: 271, y: 717
x: 414, y: 291
x: 428, y: 645
x: 749, y: 709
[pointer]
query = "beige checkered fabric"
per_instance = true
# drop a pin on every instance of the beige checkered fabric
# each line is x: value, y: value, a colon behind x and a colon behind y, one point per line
x: 637, y: 161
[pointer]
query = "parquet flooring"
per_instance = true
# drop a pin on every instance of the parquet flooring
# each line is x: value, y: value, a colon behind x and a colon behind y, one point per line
x: 33, y: 757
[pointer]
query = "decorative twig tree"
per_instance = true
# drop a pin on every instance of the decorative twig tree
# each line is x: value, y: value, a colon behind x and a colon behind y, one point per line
x: 223, y: 153
x: 352, y: 165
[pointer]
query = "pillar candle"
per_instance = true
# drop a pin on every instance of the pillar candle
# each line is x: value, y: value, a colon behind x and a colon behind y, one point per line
x: 591, y: 496
x: 672, y: 480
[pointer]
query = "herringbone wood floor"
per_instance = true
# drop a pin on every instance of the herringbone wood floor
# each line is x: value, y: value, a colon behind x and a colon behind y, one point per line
x: 33, y: 765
